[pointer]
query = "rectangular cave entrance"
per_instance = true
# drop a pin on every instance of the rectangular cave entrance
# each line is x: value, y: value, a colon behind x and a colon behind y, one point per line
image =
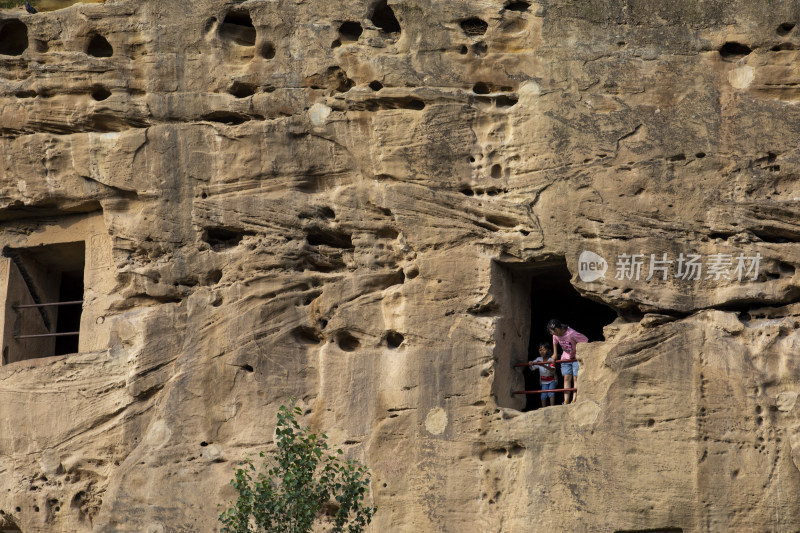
x: 553, y: 296
x: 535, y: 294
x: 44, y: 300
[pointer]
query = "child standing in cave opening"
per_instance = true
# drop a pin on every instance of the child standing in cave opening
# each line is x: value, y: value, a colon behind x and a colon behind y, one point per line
x: 547, y: 373
x: 568, y: 339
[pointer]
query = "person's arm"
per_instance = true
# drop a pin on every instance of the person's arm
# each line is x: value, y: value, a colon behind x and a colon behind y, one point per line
x: 555, y: 349
x: 577, y: 338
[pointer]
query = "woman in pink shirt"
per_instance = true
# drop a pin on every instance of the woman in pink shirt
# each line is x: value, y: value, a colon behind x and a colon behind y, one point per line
x: 568, y: 339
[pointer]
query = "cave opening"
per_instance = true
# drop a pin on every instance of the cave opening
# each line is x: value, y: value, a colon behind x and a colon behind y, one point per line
x: 44, y: 300
x: 237, y: 27
x: 100, y: 93
x: 553, y: 296
x: 474, y: 26
x: 350, y: 31
x: 69, y: 316
x: 13, y: 37
x: 384, y: 18
x: 529, y: 296
x: 99, y: 46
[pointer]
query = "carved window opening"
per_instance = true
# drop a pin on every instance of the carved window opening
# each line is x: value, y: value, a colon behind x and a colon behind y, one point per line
x: 529, y: 295
x: 44, y: 300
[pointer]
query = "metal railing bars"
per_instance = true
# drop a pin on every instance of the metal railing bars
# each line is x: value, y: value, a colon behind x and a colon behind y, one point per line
x: 558, y: 361
x: 25, y: 306
x: 573, y: 389
x: 64, y: 334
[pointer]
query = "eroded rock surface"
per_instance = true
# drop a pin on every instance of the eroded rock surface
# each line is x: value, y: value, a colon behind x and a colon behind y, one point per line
x: 351, y: 202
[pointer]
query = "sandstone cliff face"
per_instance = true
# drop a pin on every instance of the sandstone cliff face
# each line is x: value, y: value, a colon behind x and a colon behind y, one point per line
x: 353, y: 202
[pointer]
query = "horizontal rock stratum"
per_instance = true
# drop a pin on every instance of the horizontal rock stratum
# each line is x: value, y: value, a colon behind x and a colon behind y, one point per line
x: 375, y: 208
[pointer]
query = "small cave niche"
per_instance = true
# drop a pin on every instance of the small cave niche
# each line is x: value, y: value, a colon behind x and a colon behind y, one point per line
x: 529, y: 296
x: 375, y: 85
x: 221, y: 238
x: 402, y: 102
x: 100, y: 93
x: 733, y: 51
x: 329, y: 237
x: 347, y: 342
x: 242, y: 90
x: 782, y: 47
x: 517, y: 6
x: 99, y: 46
x: 394, y: 339
x: 13, y: 37
x: 784, y: 29
x: 504, y: 101
x: 383, y: 17
x: 230, y: 118
x: 237, y: 27
x: 474, y: 26
x: 307, y: 335
x: 350, y: 31
x: 267, y: 50
x: 483, y: 87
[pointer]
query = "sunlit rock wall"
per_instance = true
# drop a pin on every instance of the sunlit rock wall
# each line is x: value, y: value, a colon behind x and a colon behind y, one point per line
x: 349, y: 203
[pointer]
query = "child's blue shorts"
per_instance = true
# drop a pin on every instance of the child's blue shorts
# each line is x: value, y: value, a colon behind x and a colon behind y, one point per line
x: 569, y: 369
x: 548, y: 385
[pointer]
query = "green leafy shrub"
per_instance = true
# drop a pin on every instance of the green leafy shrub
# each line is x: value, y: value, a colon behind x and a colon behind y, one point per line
x: 297, y: 485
